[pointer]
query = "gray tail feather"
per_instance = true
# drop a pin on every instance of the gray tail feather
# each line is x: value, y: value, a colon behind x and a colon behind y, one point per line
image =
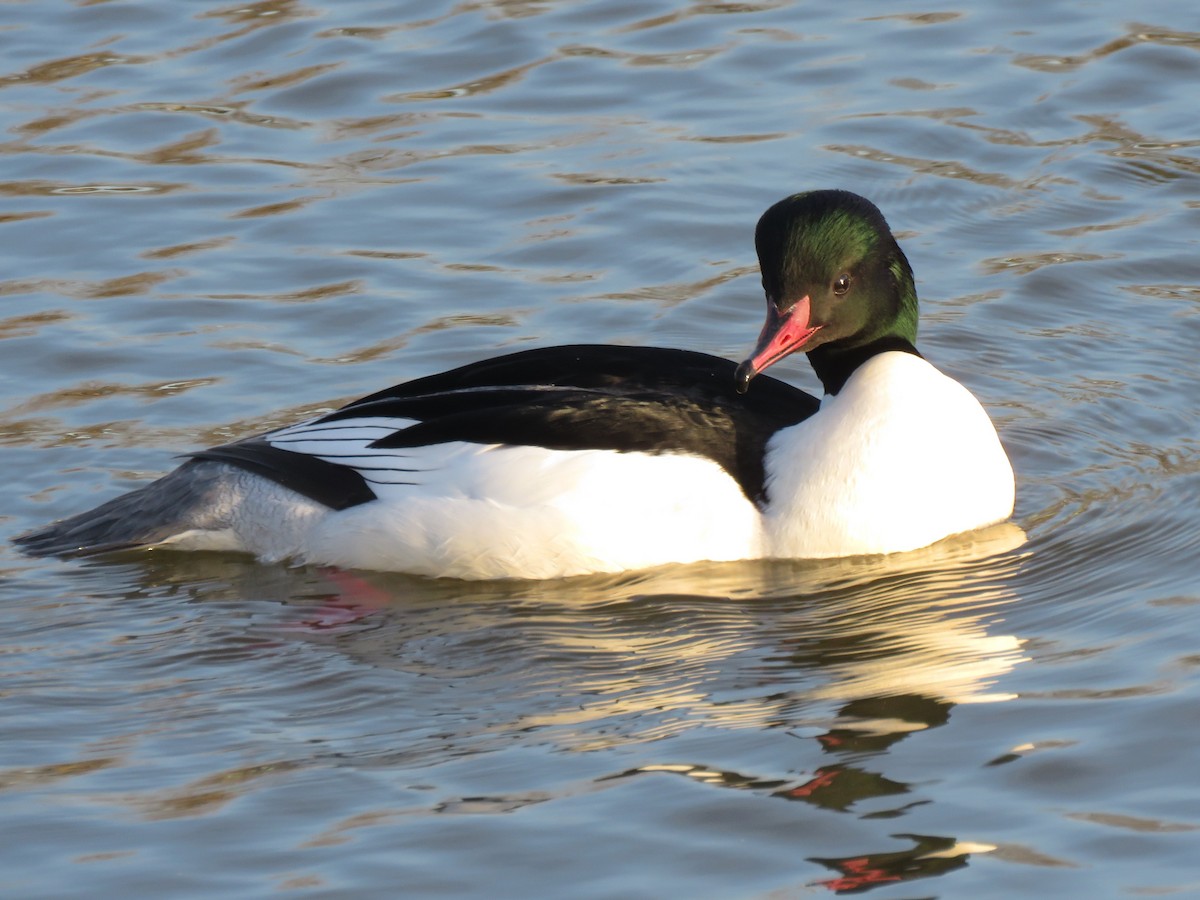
x: 176, y: 502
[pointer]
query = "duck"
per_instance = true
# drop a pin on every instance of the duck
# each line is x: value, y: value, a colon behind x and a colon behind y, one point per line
x: 579, y: 459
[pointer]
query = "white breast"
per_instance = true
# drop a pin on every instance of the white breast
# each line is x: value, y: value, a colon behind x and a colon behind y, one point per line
x: 902, y: 457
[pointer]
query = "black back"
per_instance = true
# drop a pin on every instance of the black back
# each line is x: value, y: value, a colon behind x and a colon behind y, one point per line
x: 586, y: 396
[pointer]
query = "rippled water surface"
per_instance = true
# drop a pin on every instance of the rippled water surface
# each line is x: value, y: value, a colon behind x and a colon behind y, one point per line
x: 218, y: 218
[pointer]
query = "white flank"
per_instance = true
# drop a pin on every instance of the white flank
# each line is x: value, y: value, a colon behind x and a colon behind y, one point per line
x: 489, y: 511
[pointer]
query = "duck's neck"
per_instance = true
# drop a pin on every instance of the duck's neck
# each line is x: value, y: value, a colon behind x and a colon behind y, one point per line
x: 834, y: 365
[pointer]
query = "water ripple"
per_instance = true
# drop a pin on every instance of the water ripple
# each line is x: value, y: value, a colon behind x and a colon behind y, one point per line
x: 222, y: 217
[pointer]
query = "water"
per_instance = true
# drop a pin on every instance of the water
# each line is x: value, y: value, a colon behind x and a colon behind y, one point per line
x: 218, y: 218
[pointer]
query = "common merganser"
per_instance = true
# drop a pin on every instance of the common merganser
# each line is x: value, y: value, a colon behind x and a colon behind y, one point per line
x: 578, y: 459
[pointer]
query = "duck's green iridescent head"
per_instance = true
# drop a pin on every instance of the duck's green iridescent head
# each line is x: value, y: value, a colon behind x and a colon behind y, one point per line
x: 836, y: 282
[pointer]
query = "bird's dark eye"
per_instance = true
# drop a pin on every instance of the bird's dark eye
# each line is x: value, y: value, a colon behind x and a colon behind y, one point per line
x: 841, y: 284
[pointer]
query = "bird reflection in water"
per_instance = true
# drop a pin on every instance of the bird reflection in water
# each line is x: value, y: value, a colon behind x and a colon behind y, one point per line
x: 927, y: 857
x: 850, y: 657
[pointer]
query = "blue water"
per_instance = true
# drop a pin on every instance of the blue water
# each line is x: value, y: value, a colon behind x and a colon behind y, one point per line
x: 219, y: 218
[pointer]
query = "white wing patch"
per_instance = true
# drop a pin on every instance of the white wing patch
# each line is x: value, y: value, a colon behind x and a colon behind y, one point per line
x: 498, y: 473
x: 347, y: 442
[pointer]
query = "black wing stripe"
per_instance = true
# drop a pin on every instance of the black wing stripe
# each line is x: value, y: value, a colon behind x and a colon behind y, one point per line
x: 338, y: 487
x: 381, y: 457
x: 289, y: 439
x: 292, y: 432
x: 359, y: 468
x: 306, y: 436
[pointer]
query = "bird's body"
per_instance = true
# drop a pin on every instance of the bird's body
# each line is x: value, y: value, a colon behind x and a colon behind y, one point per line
x: 592, y: 458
